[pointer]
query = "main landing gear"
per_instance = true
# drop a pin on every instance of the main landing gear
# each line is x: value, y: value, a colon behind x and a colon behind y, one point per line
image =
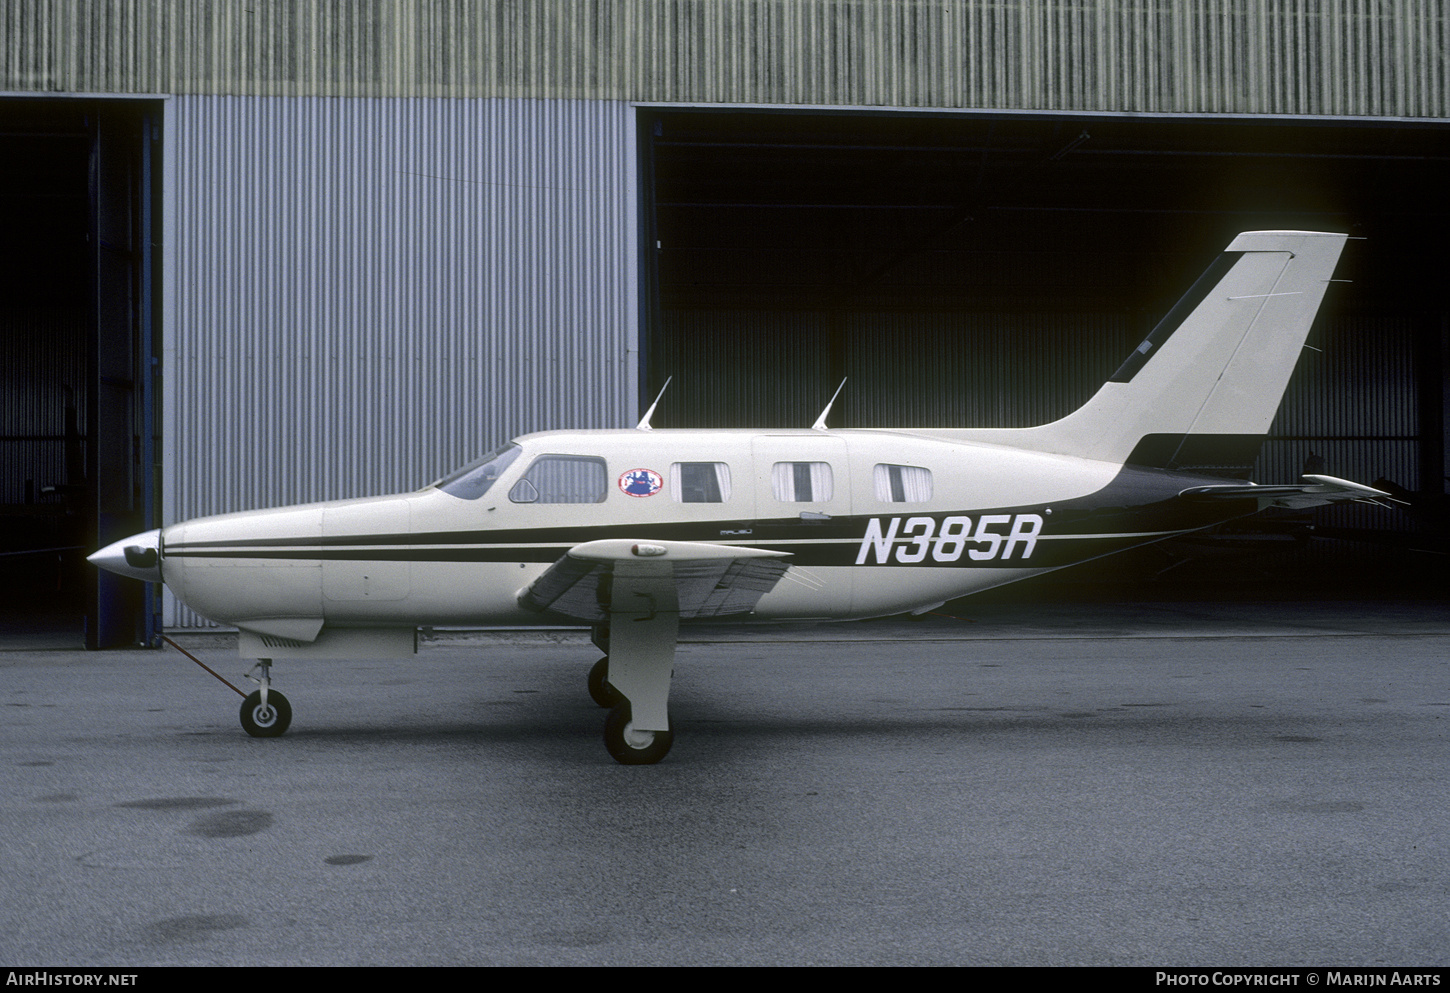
x: 627, y: 743
x: 266, y: 712
x: 599, y: 689
x: 629, y: 746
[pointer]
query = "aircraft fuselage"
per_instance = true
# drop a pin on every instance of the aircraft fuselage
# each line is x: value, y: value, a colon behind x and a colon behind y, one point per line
x: 875, y: 523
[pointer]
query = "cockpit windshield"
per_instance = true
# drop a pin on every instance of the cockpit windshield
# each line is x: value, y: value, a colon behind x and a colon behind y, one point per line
x: 474, y: 479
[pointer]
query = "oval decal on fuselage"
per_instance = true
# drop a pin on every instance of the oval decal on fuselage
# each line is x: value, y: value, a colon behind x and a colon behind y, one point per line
x: 641, y: 482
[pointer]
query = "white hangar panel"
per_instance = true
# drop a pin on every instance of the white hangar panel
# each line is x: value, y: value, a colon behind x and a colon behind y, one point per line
x: 361, y: 294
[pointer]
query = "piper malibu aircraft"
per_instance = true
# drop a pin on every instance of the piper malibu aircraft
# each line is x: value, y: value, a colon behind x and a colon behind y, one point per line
x: 632, y: 531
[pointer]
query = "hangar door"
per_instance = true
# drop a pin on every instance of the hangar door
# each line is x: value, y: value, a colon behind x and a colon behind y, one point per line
x: 77, y: 397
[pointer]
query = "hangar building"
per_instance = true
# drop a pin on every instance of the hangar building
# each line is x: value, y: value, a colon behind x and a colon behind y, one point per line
x: 269, y: 251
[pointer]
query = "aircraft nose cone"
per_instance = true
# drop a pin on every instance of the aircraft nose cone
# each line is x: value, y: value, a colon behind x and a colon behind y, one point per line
x: 138, y: 556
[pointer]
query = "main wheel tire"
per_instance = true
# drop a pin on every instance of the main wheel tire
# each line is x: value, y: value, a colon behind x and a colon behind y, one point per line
x: 269, y: 721
x: 630, y: 747
x: 599, y: 689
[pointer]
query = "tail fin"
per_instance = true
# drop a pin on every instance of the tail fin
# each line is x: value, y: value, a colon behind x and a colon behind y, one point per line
x: 1202, y: 389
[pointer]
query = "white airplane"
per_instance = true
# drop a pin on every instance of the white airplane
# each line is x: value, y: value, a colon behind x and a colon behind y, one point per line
x: 632, y: 531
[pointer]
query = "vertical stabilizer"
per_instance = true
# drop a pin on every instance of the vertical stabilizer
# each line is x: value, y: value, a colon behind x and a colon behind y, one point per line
x: 1202, y: 389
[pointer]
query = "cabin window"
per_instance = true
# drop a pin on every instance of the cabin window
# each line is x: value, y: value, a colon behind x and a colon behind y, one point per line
x: 562, y: 479
x: 902, y: 483
x: 802, y: 482
x: 700, y: 482
x: 473, y: 480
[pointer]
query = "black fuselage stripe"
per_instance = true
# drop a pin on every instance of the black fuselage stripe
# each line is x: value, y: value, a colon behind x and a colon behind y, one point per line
x: 1053, y: 552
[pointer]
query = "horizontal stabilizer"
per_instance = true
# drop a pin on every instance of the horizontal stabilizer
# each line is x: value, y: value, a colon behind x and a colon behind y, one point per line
x: 1318, y: 491
x: 699, y: 579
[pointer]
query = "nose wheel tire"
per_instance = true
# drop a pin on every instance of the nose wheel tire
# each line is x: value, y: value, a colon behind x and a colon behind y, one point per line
x: 632, y: 747
x: 599, y: 689
x: 269, y: 721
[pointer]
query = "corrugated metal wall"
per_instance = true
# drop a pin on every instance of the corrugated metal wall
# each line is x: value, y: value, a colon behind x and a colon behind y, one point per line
x: 362, y: 294
x: 1372, y: 58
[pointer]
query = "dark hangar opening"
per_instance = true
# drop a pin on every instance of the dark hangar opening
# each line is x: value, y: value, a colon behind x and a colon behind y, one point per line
x: 77, y: 406
x: 994, y: 271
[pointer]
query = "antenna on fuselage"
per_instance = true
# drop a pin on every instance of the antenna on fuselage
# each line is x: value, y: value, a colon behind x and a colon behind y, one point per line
x: 644, y: 424
x: 820, y: 424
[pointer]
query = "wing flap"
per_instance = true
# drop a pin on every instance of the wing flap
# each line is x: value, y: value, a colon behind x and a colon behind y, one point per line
x: 598, y: 578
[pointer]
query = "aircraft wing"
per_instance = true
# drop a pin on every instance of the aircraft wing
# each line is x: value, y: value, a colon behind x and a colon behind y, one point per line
x: 616, y: 575
x: 1317, y: 491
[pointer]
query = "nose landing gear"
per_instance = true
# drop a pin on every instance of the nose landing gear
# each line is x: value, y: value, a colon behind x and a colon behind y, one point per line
x: 265, y: 712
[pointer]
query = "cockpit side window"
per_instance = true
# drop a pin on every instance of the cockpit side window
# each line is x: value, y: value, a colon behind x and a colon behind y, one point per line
x: 473, y: 480
x: 562, y: 479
